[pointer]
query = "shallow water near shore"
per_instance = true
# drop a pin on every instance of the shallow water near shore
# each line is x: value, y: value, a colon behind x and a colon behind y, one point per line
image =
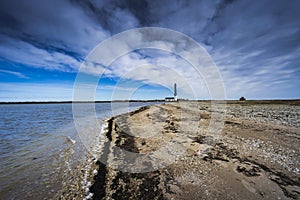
x: 40, y: 147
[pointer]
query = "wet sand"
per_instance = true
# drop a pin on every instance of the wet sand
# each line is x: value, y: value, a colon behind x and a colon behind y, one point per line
x: 254, y: 156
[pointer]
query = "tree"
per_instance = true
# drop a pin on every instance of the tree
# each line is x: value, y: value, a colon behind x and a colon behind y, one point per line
x: 242, y: 99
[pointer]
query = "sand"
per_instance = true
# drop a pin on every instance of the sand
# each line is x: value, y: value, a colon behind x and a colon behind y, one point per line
x: 179, y: 151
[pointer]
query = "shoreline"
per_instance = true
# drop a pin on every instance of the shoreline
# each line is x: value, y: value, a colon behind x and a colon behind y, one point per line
x: 210, y: 163
x: 84, y: 174
x: 99, y: 184
x: 106, y: 178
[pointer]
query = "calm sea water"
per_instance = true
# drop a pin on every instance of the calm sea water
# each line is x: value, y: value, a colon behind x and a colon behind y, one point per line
x: 40, y: 146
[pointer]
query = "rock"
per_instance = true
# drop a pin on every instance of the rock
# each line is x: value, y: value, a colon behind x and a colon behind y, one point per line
x: 249, y: 170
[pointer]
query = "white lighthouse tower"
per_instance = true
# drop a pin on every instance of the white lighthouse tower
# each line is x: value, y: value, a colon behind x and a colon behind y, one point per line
x: 175, y: 92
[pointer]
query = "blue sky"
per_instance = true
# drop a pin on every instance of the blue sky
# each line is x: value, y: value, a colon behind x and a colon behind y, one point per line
x: 254, y: 44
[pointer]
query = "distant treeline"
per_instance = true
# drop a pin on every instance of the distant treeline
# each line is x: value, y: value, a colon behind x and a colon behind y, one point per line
x: 246, y: 102
x: 59, y: 102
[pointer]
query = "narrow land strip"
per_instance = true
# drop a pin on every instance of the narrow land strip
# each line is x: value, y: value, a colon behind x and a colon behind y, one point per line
x: 249, y: 159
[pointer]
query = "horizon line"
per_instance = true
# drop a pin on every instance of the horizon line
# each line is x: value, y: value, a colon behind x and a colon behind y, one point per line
x: 137, y: 100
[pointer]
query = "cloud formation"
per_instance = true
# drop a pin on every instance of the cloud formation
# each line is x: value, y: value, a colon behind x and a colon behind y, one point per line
x: 18, y: 74
x: 256, y: 45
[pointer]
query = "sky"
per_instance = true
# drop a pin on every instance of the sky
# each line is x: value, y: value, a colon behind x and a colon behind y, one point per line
x: 254, y: 45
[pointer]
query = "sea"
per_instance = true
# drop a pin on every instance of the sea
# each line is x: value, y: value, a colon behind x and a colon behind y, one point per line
x: 40, y: 146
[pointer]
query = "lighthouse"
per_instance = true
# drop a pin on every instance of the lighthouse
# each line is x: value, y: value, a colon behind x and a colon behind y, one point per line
x: 175, y: 95
x: 175, y: 92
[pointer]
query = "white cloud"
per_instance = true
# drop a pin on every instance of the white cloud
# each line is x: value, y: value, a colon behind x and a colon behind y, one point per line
x: 27, y: 54
x: 252, y: 49
x: 18, y: 74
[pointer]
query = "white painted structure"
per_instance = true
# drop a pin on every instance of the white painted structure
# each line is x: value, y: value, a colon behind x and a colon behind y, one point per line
x: 175, y: 95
